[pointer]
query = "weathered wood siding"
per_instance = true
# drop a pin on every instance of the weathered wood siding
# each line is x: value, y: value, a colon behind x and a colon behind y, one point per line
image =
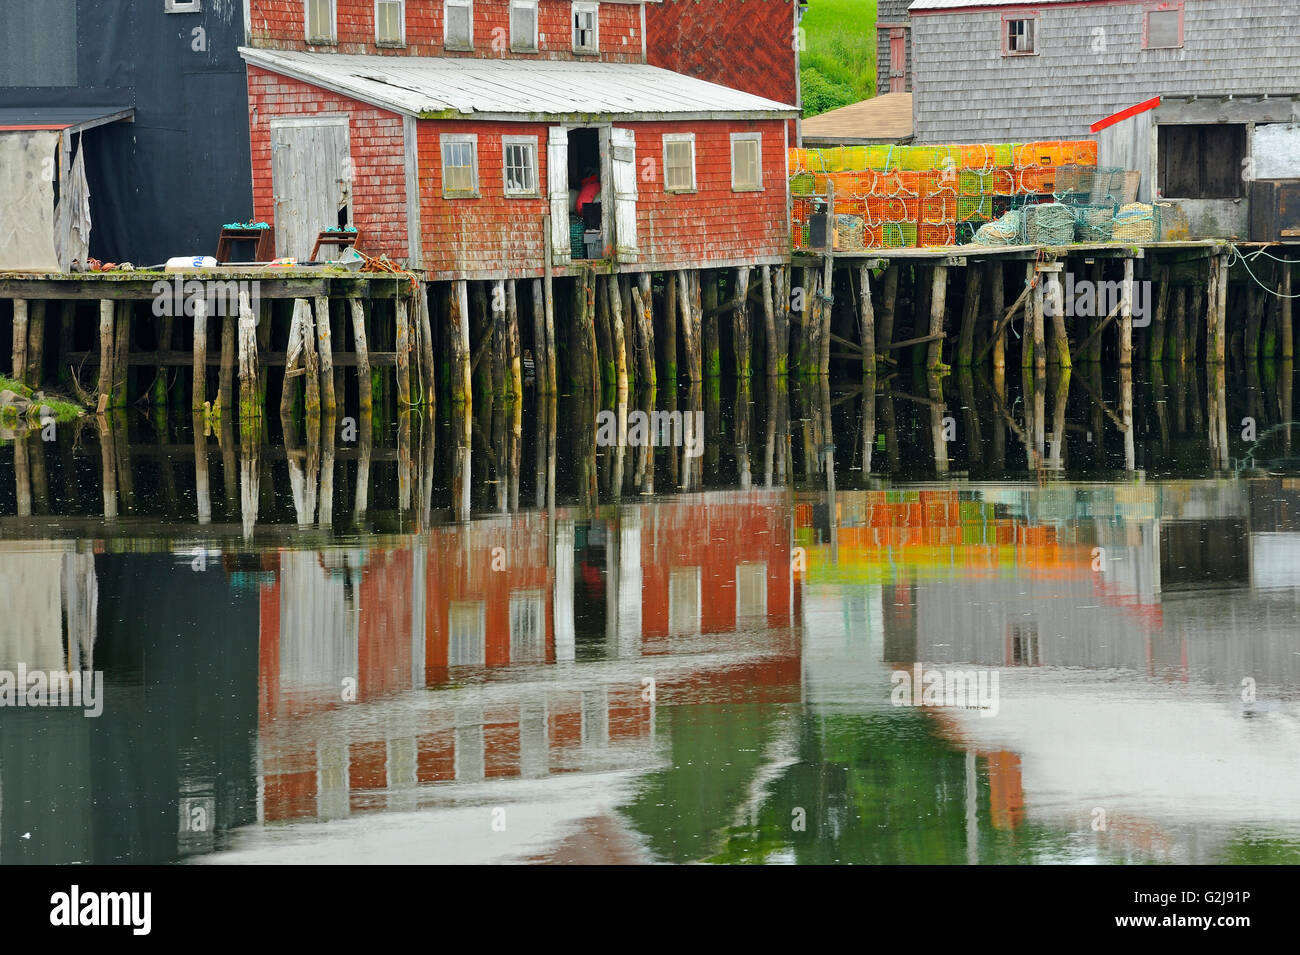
x: 967, y: 91
x: 377, y: 145
x: 493, y: 235
x: 744, y: 44
x: 891, y: 11
x: 278, y: 24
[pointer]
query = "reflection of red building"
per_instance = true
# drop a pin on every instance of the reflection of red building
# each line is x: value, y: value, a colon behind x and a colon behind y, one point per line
x: 345, y: 635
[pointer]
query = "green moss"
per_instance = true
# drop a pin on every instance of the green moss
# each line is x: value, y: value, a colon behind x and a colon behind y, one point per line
x: 63, y: 409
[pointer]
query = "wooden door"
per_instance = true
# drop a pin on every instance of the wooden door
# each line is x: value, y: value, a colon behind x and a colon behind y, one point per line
x: 311, y: 178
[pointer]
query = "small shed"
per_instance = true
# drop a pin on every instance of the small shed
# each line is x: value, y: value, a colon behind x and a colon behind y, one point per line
x: 45, y: 213
x: 453, y: 165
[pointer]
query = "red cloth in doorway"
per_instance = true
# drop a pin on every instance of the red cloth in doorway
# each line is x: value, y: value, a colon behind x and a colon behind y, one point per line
x: 588, y: 189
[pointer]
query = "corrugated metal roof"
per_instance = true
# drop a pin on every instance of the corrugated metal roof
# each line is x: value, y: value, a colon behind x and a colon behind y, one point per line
x: 512, y: 89
x: 60, y: 117
x: 960, y: 4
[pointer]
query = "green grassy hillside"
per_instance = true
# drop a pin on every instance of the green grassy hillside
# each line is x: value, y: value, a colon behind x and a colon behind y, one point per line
x: 838, y: 63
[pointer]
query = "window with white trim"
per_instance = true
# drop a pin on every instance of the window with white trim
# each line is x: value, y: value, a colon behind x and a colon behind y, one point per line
x: 746, y: 162
x: 183, y: 6
x: 679, y: 162
x: 1019, y: 36
x: 519, y: 165
x: 458, y: 24
x: 459, y: 165
x: 390, y: 22
x: 586, y: 28
x: 684, y: 600
x: 319, y: 21
x: 528, y: 627
x: 751, y: 593
x: 523, y: 26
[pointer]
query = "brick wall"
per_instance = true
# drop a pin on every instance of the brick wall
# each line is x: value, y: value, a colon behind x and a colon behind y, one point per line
x: 376, y: 141
x: 279, y: 24
x: 744, y: 44
x: 713, y: 224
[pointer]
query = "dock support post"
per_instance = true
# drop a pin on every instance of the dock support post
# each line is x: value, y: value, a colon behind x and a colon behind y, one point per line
x: 740, y: 322
x: 20, y: 341
x: 618, y: 343
x: 1027, y: 323
x: 688, y: 296
x: 1178, y: 336
x: 1093, y: 351
x: 311, y: 403
x: 1126, y: 315
x: 365, y: 399
x: 997, y: 303
x: 670, y: 331
x: 867, y: 321
x: 106, y: 309
x: 807, y: 300
x: 1254, y: 299
x: 121, y: 354
x: 66, y: 342
x: 969, y: 315
x: 200, y: 376
x: 325, y: 349
x: 1056, y: 298
x: 225, y: 383
x: 1039, y: 330
x: 889, y: 299
x: 36, y: 343
x: 428, y: 376
x: 540, y: 353
x: 604, y: 332
x: 1163, y: 274
x: 769, y: 320
x: 512, y: 341
x: 1284, y: 316
x: 403, y: 351
x: 938, y: 302
x: 707, y: 282
x: 827, y: 311
x: 1221, y: 336
x: 460, y: 377
x: 250, y: 399
x: 643, y: 303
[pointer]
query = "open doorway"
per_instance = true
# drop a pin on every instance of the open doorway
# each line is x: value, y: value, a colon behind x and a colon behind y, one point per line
x: 586, y: 194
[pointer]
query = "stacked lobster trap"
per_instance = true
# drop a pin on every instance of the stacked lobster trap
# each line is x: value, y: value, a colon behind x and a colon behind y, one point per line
x: 889, y: 196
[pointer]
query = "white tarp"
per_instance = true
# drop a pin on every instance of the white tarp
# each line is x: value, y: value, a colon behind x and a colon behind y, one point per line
x: 72, y: 218
x: 28, y: 165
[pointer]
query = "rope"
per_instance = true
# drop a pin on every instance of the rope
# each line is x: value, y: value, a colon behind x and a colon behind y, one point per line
x: 1050, y: 223
x: 1244, y: 258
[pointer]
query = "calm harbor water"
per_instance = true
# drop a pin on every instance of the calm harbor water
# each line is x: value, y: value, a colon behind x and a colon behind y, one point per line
x: 501, y: 640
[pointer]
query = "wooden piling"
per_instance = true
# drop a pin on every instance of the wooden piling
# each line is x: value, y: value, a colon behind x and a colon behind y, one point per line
x: 604, y: 329
x: 670, y: 330
x: 403, y: 352
x: 1159, y: 320
x: 827, y: 311
x: 1126, y: 315
x: 810, y: 339
x: 867, y: 321
x: 36, y: 343
x: 459, y: 341
x: 311, y: 401
x: 250, y: 397
x: 688, y: 291
x: 540, y: 375
x: 66, y: 342
x: 200, y: 371
x: 888, y: 308
x: 997, y: 304
x: 1061, y: 351
x: 513, y: 361
x: 325, y: 354
x: 121, y: 354
x: 1221, y: 338
x: 643, y: 304
x: 969, y: 316
x: 618, y: 343
x: 365, y: 398
x: 740, y: 322
x: 938, y: 301
x: 226, y: 372
x: 428, y: 374
x: 1027, y: 320
x: 769, y: 320
x: 1093, y: 352
x: 1285, y: 329
x: 19, y: 373
x: 1037, y: 330
x: 707, y: 283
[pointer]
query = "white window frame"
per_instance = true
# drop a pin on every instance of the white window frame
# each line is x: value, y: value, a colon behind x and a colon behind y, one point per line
x: 401, y: 22
x: 469, y: 6
x: 529, y: 5
x: 320, y: 39
x: 466, y: 647
x: 533, y: 193
x: 447, y: 139
x: 528, y: 607
x: 679, y: 138
x: 747, y: 137
x: 183, y: 6
x: 594, y: 10
x: 685, y: 601
x: 1006, y: 20
x: 757, y: 569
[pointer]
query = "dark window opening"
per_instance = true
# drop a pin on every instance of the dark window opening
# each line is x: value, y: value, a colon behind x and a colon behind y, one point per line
x: 1202, y: 161
x: 1020, y: 36
x: 585, y: 199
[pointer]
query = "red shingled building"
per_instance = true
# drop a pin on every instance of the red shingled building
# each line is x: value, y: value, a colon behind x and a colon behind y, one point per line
x: 445, y: 131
